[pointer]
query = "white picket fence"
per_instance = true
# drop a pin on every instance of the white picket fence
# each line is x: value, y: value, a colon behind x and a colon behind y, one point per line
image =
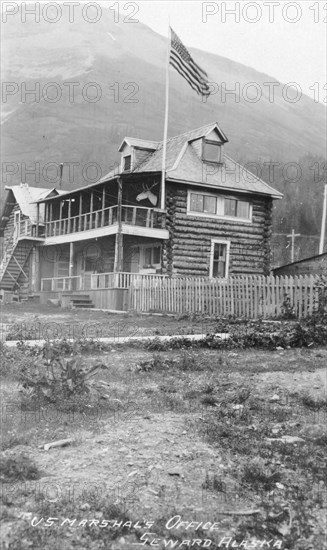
x: 243, y: 296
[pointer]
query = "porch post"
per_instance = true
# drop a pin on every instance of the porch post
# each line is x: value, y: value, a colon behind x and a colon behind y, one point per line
x: 37, y: 219
x: 91, y: 210
x: 71, y: 264
x: 80, y: 228
x: 60, y: 219
x: 71, y: 259
x: 69, y: 215
x: 32, y: 277
x: 103, y: 204
x: 119, y: 235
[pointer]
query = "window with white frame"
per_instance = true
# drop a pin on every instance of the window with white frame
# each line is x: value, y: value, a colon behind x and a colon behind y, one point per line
x: 219, y: 258
x: 213, y: 205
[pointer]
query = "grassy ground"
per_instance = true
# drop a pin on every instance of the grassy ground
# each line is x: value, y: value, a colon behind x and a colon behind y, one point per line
x: 41, y: 322
x: 200, y: 434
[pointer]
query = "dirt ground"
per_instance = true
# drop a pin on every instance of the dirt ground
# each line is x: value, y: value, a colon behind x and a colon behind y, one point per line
x: 150, y: 452
x: 42, y: 322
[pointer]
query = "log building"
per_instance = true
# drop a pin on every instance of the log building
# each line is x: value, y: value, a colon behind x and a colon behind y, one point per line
x: 216, y: 221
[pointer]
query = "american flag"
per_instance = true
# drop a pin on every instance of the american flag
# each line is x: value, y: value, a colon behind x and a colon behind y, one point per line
x: 183, y: 62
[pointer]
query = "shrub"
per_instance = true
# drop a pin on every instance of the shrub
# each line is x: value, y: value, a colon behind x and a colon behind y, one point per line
x: 287, y: 308
x: 314, y: 403
x: 13, y: 439
x: 17, y: 468
x: 256, y: 473
x: 58, y: 380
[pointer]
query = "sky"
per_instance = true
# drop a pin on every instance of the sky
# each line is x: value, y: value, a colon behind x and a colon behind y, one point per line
x: 284, y: 39
x: 287, y: 40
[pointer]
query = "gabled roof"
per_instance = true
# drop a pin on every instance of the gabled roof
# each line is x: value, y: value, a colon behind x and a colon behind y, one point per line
x: 142, y: 143
x: 25, y: 196
x: 184, y: 164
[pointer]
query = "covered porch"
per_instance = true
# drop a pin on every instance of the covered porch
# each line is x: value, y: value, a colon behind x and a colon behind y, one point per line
x: 97, y: 265
x: 104, y: 209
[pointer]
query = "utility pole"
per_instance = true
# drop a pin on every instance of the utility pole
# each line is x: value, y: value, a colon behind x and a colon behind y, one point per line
x: 292, y: 236
x: 323, y: 223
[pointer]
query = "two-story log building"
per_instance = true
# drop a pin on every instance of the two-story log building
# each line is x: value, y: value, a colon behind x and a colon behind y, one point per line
x: 216, y: 221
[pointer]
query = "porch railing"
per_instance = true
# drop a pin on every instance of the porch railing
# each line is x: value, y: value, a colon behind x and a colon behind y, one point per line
x: 131, y: 215
x: 121, y: 279
x: 25, y: 228
x: 56, y: 284
x: 99, y: 281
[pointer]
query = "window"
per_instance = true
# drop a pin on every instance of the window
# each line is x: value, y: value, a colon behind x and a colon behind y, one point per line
x: 127, y: 163
x: 210, y: 205
x: 219, y: 258
x: 230, y: 207
x: 203, y: 203
x: 151, y: 256
x: 219, y: 206
x: 243, y: 209
x: 238, y: 209
x: 211, y: 151
x: 196, y: 202
x: 156, y: 259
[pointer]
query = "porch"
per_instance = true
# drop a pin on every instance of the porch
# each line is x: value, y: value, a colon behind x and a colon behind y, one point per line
x: 107, y: 208
x: 92, y: 264
x: 25, y: 229
x: 136, y: 216
x: 104, y: 290
x: 97, y: 281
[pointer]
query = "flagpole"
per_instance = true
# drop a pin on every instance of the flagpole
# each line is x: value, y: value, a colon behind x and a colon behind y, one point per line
x: 164, y: 144
x: 323, y: 223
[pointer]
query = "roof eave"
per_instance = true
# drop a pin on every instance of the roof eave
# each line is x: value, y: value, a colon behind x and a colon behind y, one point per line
x: 225, y: 138
x: 78, y: 190
x: 224, y: 188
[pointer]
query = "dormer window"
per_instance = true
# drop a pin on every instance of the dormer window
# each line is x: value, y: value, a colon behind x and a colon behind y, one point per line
x: 211, y: 151
x: 127, y: 163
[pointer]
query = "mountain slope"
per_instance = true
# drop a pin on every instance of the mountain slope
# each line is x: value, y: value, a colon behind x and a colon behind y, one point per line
x: 127, y: 61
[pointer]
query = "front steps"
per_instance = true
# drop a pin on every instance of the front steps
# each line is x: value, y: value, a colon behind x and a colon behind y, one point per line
x: 30, y: 298
x: 79, y: 301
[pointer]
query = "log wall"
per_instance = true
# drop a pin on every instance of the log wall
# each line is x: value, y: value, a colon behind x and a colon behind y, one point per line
x: 188, y: 250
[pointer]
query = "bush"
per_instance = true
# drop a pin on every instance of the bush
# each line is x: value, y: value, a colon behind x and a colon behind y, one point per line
x: 58, y: 381
x: 314, y: 403
x: 17, y: 468
x: 257, y: 474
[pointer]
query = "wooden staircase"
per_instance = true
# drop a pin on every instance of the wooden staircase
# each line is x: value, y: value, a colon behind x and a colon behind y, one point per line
x: 13, y: 266
x: 81, y: 301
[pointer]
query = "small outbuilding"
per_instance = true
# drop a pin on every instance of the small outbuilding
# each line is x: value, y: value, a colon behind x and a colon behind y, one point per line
x: 315, y: 265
